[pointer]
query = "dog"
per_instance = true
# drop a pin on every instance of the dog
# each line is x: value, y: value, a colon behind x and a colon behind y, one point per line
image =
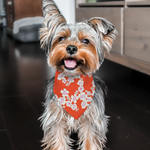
x: 75, y: 97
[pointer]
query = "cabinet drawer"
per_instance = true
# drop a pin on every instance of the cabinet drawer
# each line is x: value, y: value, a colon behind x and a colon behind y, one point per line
x: 137, y: 33
x: 111, y: 14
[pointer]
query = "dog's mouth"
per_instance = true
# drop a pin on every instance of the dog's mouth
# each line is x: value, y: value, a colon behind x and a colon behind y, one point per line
x: 71, y: 63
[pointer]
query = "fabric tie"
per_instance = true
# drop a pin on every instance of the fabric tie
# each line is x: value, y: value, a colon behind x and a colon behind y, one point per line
x: 74, y: 93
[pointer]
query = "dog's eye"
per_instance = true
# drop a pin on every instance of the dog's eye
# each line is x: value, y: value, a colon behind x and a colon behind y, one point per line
x: 61, y: 39
x: 85, y: 41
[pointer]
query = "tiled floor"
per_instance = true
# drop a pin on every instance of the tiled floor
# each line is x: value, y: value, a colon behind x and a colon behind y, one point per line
x: 23, y: 75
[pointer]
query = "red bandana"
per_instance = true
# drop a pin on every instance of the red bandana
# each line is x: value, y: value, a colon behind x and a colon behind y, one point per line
x: 74, y: 94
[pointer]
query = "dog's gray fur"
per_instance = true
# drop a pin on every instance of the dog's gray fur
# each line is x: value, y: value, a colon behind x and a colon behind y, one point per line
x: 57, y: 124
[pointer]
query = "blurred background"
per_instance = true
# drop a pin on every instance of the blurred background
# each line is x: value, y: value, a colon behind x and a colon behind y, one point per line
x: 24, y: 71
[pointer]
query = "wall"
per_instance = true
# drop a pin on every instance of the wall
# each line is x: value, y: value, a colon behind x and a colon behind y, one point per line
x: 67, y: 7
x: 1, y: 5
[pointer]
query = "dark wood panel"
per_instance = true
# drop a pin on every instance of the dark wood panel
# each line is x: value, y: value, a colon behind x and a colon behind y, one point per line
x: 21, y: 123
x: 4, y: 141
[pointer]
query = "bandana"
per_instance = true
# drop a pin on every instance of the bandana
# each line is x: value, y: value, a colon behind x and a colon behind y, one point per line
x: 74, y: 93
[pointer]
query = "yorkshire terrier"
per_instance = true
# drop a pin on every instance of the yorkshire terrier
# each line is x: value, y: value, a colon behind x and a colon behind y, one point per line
x: 75, y: 98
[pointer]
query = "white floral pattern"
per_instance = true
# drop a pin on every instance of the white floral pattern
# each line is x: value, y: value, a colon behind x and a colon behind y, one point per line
x: 81, y: 88
x: 61, y: 100
x: 83, y: 104
x: 80, y: 94
x: 68, y: 103
x: 80, y: 83
x: 64, y: 92
x: 64, y: 79
x: 74, y: 107
x: 74, y: 98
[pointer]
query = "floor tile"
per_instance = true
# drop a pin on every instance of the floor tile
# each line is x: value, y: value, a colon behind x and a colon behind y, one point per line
x: 127, y: 83
x: 131, y: 114
x: 5, y: 76
x: 8, y: 86
x: 27, y: 69
x: 122, y: 137
x: 22, y: 123
x: 35, y: 93
x: 135, y: 96
x: 2, y: 126
x: 4, y: 141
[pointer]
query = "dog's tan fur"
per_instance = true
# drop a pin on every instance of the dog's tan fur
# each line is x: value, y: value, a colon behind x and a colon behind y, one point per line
x: 92, y: 39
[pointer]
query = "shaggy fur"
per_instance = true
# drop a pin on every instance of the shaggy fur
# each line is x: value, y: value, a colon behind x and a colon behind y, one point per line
x: 58, y: 124
x: 92, y: 39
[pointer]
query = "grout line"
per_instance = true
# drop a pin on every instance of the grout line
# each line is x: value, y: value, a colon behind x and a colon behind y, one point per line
x: 32, y: 106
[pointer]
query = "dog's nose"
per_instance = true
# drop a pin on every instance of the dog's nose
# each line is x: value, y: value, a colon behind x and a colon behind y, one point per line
x: 71, y: 49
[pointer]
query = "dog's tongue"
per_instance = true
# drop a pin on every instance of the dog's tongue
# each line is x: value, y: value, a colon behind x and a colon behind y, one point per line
x: 70, y: 63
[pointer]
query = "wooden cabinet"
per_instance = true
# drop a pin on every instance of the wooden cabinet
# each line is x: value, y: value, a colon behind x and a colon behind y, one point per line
x: 114, y: 15
x: 137, y: 33
x: 131, y: 19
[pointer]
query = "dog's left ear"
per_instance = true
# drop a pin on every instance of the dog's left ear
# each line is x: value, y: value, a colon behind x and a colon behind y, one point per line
x: 106, y: 30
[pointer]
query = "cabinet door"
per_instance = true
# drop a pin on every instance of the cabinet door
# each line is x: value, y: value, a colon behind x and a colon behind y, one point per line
x: 137, y: 33
x: 113, y: 15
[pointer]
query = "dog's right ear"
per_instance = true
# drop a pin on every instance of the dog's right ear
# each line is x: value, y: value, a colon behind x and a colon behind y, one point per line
x: 53, y: 19
x: 105, y: 29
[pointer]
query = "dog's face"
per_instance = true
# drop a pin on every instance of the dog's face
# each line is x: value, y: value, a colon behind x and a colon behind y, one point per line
x: 75, y: 49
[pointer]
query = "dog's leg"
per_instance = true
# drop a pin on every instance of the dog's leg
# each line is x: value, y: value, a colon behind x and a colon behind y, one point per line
x: 55, y: 131
x: 92, y: 129
x: 89, y: 136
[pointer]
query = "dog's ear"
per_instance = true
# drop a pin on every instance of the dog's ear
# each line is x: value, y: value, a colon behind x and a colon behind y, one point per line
x: 53, y: 19
x: 105, y: 29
